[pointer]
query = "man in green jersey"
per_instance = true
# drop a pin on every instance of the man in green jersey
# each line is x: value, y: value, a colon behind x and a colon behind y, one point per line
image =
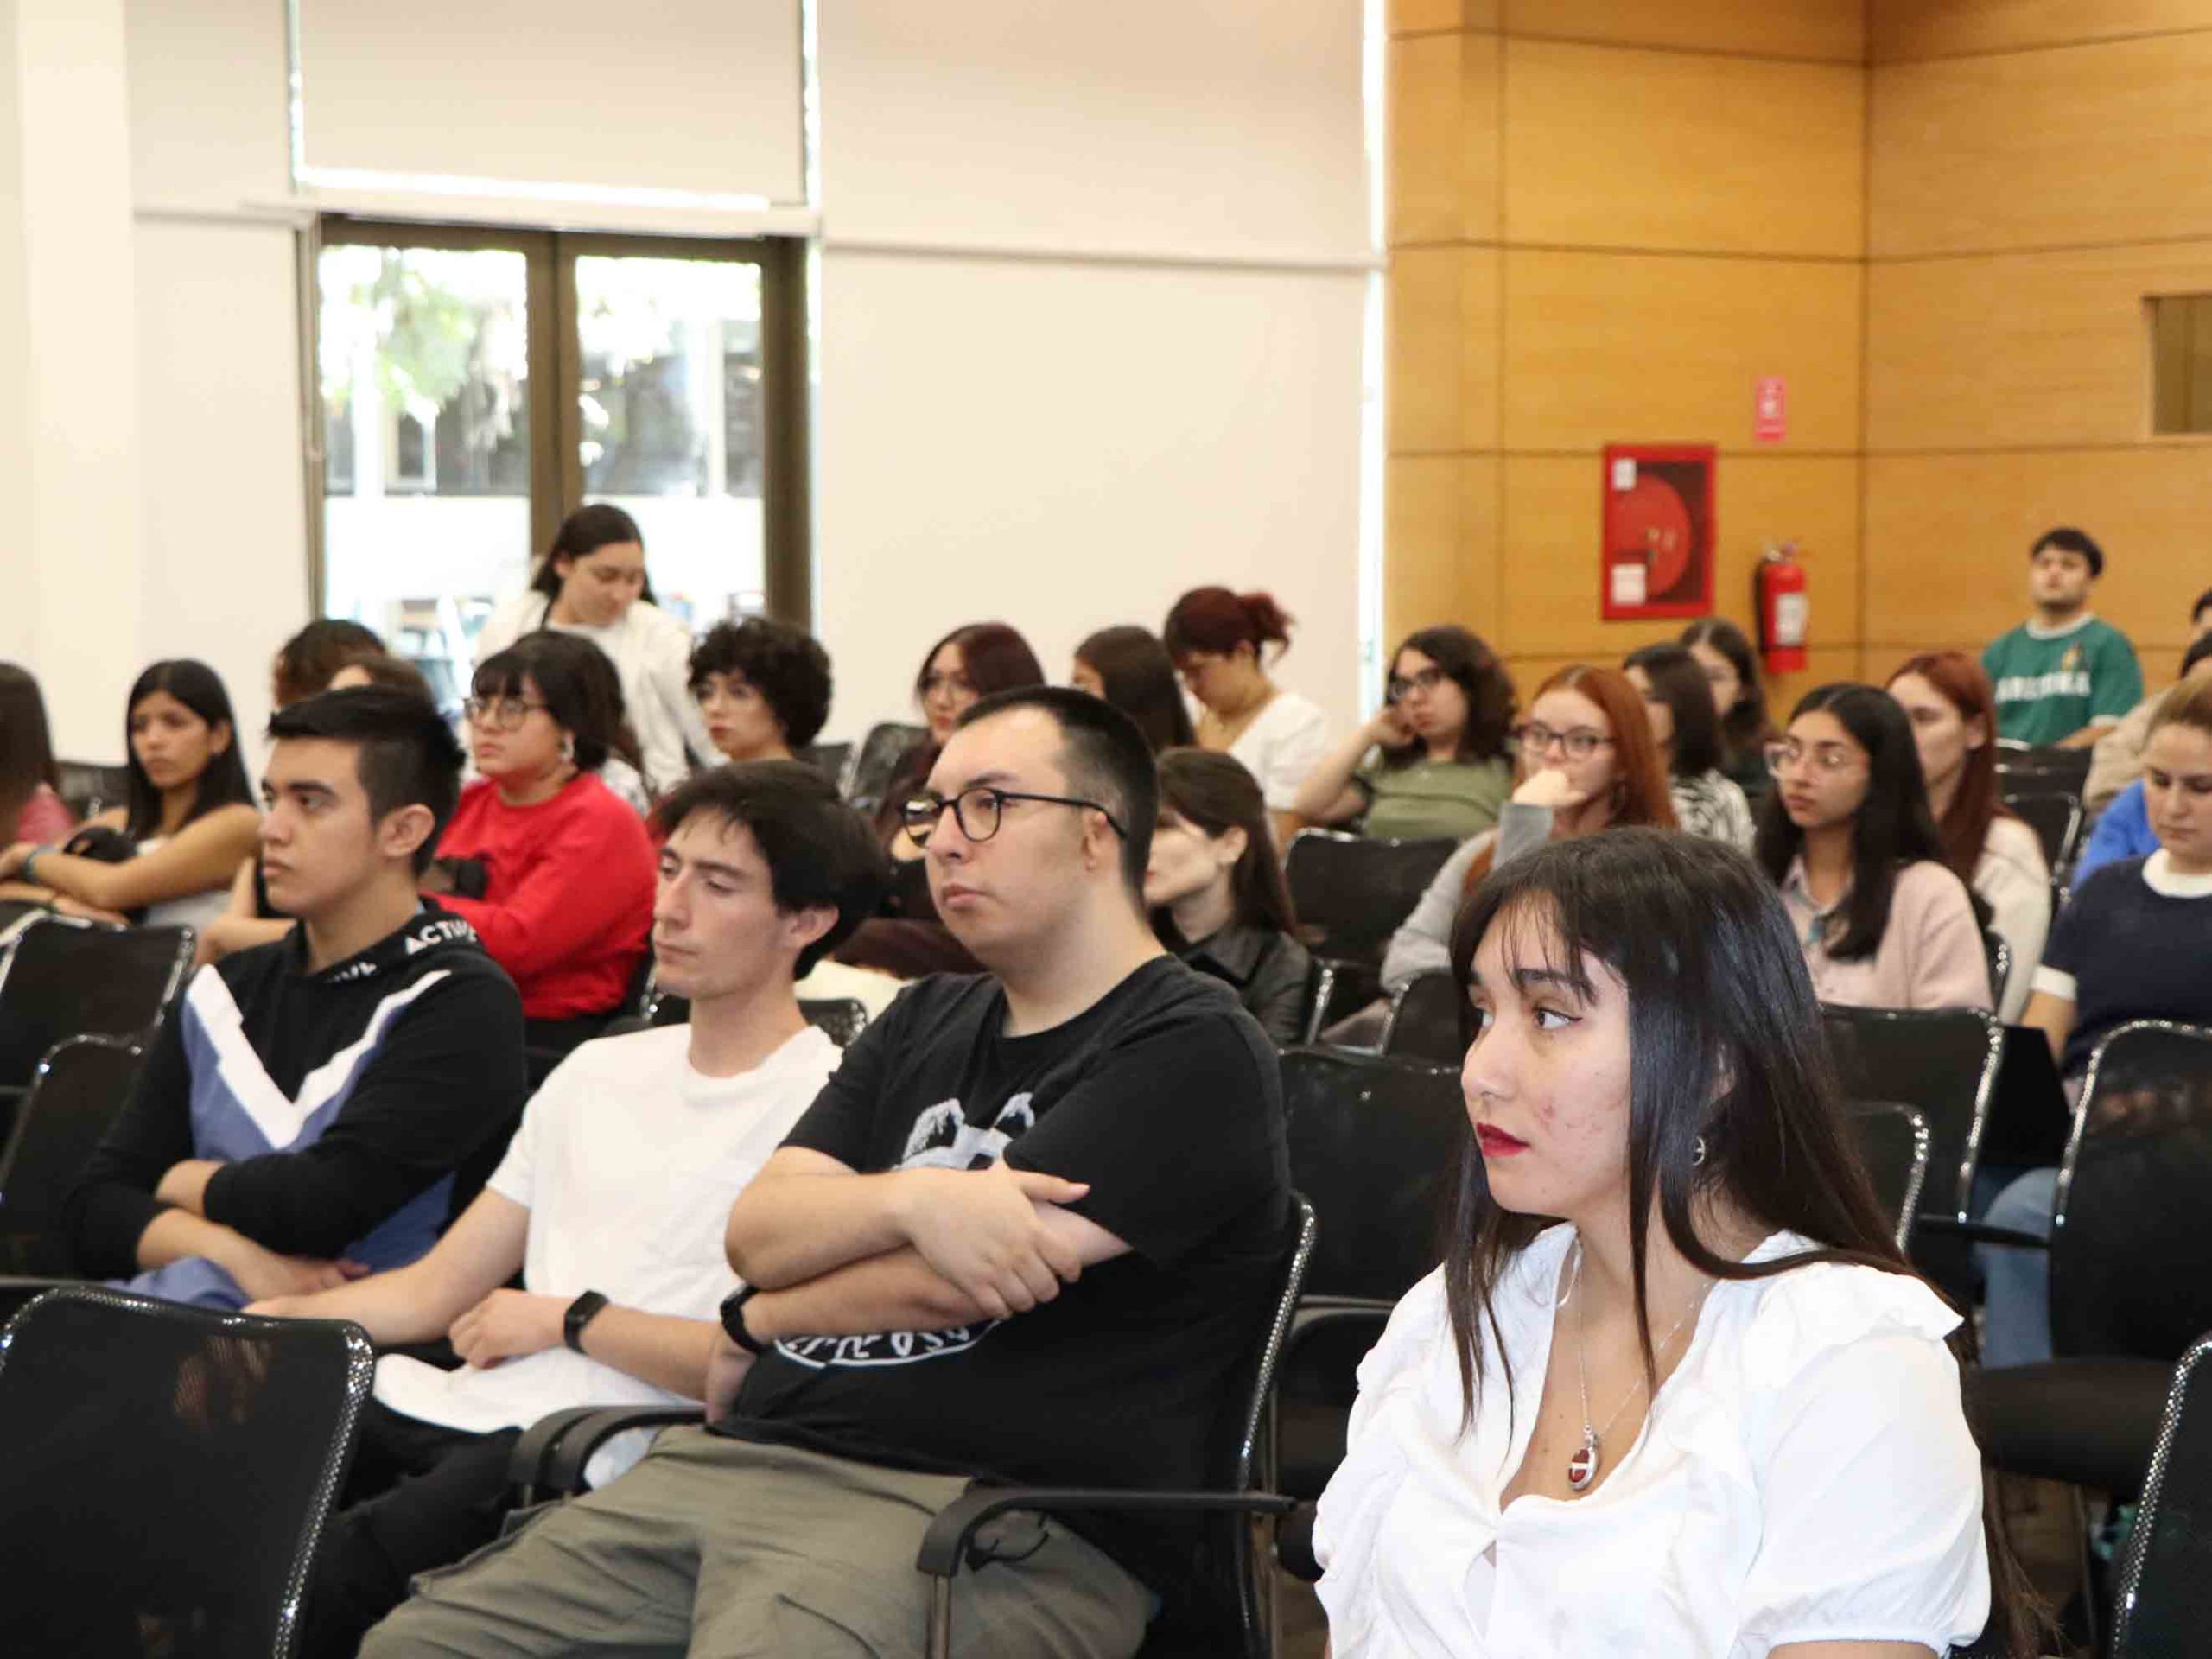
x: 2063, y: 678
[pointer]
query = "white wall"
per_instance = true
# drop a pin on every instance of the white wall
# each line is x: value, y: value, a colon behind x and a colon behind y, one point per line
x: 1089, y: 329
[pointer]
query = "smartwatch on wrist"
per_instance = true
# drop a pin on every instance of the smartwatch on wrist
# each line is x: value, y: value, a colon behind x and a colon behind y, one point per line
x: 733, y: 1321
x: 581, y: 1313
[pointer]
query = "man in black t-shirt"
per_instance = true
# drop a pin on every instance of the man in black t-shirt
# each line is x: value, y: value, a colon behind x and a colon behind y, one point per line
x: 1027, y: 1233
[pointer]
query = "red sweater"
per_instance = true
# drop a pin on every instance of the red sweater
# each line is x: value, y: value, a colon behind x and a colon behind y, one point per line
x: 569, y: 904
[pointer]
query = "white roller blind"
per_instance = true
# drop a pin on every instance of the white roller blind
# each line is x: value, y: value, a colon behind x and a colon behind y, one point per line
x: 694, y: 96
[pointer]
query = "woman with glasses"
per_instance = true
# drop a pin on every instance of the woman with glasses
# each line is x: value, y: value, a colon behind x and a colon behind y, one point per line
x: 1431, y: 762
x: 551, y: 868
x: 1847, y: 836
x: 1587, y: 761
x: 1216, y: 893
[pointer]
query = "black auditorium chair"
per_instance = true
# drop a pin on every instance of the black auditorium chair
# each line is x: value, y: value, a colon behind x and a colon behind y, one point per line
x: 69, y: 978
x: 1351, y: 893
x: 2024, y: 770
x: 2057, y: 820
x: 1376, y: 1145
x: 2163, y: 1608
x: 89, y: 788
x: 1892, y: 1141
x: 169, y: 1473
x: 870, y: 768
x: 830, y: 760
x: 79, y: 1087
x: 1425, y: 1021
x: 1999, y: 956
x: 843, y: 1017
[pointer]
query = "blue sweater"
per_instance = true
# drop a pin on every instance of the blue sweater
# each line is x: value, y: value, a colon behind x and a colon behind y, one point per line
x: 2123, y: 831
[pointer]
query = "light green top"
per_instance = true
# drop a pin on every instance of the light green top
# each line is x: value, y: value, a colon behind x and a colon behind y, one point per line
x: 1454, y: 798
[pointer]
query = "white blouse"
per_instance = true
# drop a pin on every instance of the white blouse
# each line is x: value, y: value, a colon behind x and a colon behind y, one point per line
x: 1285, y: 740
x: 1806, y: 1475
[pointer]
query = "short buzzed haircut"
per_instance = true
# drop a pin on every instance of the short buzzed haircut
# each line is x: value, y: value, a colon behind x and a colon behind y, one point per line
x: 406, y: 755
x: 1105, y: 758
x: 2067, y: 539
x: 820, y: 853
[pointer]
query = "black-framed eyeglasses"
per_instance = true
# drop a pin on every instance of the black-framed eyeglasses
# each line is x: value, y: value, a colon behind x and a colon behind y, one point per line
x: 500, y: 714
x: 1579, y: 743
x: 980, y: 810
x: 1403, y: 685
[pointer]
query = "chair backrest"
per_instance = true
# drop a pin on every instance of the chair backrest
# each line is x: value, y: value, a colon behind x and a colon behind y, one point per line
x: 79, y: 1087
x: 843, y: 1017
x: 1941, y: 1061
x: 2055, y: 771
x: 1375, y: 1143
x: 871, y: 768
x: 2057, y: 820
x: 2000, y: 956
x: 1351, y: 892
x: 1424, y: 1022
x: 66, y: 978
x: 830, y: 760
x: 169, y: 1473
x: 2164, y: 1604
x: 1892, y: 1142
x: 2130, y: 1256
x: 89, y: 788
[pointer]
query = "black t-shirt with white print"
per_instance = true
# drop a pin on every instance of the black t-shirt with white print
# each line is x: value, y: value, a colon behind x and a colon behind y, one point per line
x: 1166, y: 1097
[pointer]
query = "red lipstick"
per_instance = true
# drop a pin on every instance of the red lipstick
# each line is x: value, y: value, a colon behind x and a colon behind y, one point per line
x: 1497, y: 1143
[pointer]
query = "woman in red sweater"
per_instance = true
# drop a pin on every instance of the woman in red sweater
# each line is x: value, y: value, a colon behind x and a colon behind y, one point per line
x: 551, y: 868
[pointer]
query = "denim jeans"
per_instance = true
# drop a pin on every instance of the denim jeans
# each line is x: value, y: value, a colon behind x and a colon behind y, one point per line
x: 2017, y: 1281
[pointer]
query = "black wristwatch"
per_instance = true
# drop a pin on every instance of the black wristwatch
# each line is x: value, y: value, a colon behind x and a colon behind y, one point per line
x: 581, y: 1313
x: 733, y: 1321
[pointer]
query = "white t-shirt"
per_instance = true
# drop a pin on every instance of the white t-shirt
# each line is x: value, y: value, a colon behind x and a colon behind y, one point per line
x: 627, y: 1161
x: 1806, y: 1475
x: 2015, y: 882
x: 1284, y: 741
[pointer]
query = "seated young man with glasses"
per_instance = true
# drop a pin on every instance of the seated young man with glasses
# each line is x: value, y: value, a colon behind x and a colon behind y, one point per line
x: 300, y: 1115
x: 1027, y: 1234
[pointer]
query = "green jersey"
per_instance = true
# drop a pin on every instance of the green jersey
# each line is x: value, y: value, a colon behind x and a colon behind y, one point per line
x: 2051, y: 683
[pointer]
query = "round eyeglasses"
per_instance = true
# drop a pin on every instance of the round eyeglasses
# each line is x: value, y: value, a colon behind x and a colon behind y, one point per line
x: 980, y: 809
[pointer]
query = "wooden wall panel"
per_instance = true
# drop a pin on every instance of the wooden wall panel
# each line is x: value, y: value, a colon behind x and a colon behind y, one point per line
x: 2011, y: 349
x: 1426, y: 17
x: 2090, y: 145
x: 1832, y: 31
x: 1550, y: 602
x: 1608, y: 147
x: 1947, y: 539
x: 1440, y: 559
x: 1605, y: 347
x: 1947, y: 28
x: 1443, y: 157
x: 1443, y: 349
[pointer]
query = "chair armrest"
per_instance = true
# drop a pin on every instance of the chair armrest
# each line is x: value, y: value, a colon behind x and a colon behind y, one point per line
x: 16, y: 1292
x: 526, y: 1462
x: 566, y: 1458
x: 1979, y: 1232
x: 1314, y: 1315
x: 945, y: 1546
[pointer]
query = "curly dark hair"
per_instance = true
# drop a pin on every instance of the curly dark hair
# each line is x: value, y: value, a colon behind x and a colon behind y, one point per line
x: 784, y: 665
x: 1482, y: 679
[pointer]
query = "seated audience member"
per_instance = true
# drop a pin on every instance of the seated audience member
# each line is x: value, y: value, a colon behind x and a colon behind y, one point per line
x: 2063, y: 677
x: 551, y: 869
x: 1587, y: 761
x: 1218, y: 641
x: 611, y: 1200
x: 591, y: 583
x: 1734, y: 1406
x: 167, y: 857
x: 1216, y: 890
x: 2117, y: 759
x: 306, y: 664
x: 299, y: 1114
x: 1432, y: 761
x: 1946, y: 697
x: 2123, y: 830
x: 1678, y: 702
x: 2133, y: 943
x: 908, y: 940
x: 1848, y: 838
x: 1030, y: 1232
x: 30, y: 799
x: 1130, y: 669
x: 763, y: 686
x: 1731, y: 671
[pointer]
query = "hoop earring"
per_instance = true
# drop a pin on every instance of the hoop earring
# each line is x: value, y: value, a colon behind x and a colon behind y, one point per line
x: 1697, y: 1152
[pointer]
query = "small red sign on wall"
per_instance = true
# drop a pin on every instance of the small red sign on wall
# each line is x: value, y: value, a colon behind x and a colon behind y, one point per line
x: 1771, y: 410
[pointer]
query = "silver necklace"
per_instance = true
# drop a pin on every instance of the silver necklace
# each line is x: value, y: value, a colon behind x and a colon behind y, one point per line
x: 1582, y: 1468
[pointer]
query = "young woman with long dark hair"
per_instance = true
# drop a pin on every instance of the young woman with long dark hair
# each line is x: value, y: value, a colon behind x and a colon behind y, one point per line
x: 30, y: 783
x: 1947, y: 697
x: 168, y: 855
x: 1432, y: 761
x: 592, y: 583
x: 1130, y: 668
x: 1219, y: 641
x: 1216, y: 890
x: 1674, y: 1389
x: 1731, y: 671
x: 1679, y: 705
x: 1847, y: 838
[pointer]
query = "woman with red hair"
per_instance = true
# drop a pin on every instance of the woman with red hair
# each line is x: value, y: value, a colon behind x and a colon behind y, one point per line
x: 1218, y: 642
x: 1947, y: 697
x: 1587, y: 761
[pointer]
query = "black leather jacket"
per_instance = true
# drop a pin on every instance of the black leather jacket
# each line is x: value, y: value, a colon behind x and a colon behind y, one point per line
x: 1271, y: 973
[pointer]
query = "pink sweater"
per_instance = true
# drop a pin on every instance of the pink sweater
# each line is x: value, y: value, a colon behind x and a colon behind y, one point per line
x: 1931, y: 954
x: 44, y: 819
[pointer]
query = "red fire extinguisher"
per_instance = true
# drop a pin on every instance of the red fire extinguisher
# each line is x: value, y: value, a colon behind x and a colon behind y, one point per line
x: 1783, y: 608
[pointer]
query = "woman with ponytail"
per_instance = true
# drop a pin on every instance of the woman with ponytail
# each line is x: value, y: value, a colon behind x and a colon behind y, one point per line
x: 1219, y: 643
